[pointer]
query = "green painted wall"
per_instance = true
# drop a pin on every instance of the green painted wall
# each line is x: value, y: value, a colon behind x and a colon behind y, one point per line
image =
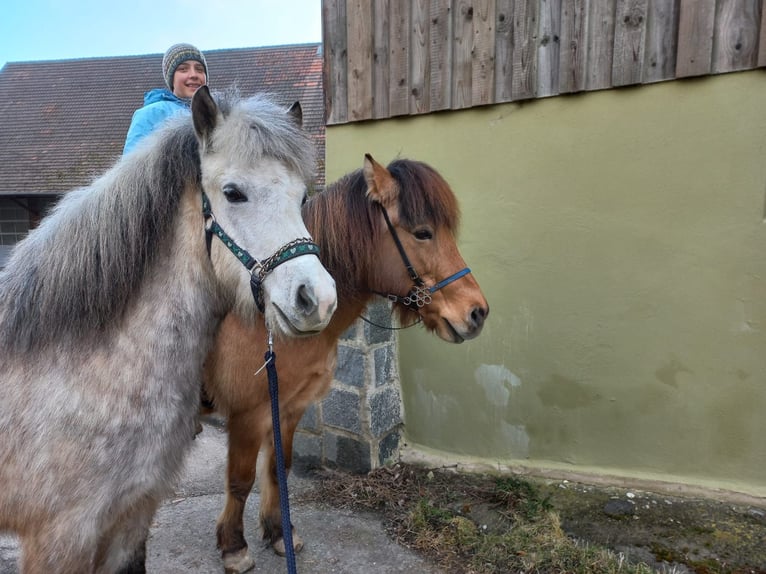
x: 619, y: 237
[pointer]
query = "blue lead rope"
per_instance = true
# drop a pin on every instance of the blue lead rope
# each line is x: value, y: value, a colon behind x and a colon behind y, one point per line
x: 284, y: 503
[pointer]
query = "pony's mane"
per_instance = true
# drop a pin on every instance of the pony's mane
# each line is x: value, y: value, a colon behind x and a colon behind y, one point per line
x: 75, y: 273
x: 346, y: 224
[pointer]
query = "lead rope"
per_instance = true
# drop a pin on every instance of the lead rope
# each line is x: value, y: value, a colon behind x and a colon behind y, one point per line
x: 284, y: 503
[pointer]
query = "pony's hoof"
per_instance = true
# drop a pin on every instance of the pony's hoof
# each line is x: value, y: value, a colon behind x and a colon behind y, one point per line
x: 238, y: 562
x: 279, y: 545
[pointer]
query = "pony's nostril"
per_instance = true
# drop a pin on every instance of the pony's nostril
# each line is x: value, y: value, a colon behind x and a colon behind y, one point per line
x: 306, y: 300
x: 478, y: 314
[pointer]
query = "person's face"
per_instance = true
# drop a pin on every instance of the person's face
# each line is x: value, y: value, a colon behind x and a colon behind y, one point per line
x: 188, y: 77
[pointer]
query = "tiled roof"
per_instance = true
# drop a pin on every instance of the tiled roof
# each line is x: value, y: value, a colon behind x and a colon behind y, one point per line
x: 63, y: 122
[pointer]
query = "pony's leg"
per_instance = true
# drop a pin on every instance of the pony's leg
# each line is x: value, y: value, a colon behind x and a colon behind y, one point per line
x: 122, y: 550
x: 244, y: 444
x: 271, y: 513
x: 43, y: 553
x: 137, y: 563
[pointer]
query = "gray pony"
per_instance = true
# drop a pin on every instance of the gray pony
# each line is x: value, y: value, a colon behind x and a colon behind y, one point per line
x: 108, y: 309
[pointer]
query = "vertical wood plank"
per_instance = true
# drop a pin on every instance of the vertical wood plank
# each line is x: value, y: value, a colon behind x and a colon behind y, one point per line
x: 334, y: 40
x: 696, y: 19
x: 600, y: 44
x: 762, y: 39
x: 461, y: 59
x: 384, y: 58
x: 399, y: 74
x: 380, y: 64
x: 660, y: 48
x: 420, y: 65
x: 629, y: 42
x: 483, y: 65
x: 503, y: 50
x: 359, y: 33
x: 574, y: 45
x: 441, y: 54
x: 548, y: 52
x: 525, y: 17
x: 735, y: 42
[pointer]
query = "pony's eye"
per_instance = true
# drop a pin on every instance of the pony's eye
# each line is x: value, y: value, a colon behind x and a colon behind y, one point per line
x: 305, y: 199
x: 423, y: 234
x: 233, y: 193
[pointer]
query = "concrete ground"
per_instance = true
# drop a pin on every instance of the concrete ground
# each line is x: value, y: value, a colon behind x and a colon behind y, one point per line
x: 183, y: 534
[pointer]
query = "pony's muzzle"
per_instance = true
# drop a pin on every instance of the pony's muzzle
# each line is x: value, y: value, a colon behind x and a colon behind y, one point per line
x: 313, y: 304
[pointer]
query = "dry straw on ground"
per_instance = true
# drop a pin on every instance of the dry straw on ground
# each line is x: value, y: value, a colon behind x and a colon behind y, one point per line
x: 470, y: 524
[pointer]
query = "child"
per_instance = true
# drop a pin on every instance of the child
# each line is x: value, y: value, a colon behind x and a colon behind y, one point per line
x: 185, y: 70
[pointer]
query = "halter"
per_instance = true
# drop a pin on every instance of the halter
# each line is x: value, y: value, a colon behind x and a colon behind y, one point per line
x: 420, y: 294
x: 258, y: 269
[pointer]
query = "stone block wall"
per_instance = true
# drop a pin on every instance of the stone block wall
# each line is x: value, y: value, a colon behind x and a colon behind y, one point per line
x: 357, y: 426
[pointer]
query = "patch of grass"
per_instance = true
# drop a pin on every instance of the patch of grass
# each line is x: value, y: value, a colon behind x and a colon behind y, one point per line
x: 470, y: 524
x: 529, y: 546
x: 522, y: 496
x: 427, y: 516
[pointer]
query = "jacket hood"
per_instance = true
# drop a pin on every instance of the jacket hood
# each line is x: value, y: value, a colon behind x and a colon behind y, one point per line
x: 163, y: 95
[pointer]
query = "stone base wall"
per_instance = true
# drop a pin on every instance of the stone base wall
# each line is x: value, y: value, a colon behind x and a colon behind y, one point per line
x: 357, y: 426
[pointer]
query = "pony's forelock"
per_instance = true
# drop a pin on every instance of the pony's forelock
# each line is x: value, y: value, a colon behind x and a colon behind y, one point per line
x: 438, y: 205
x: 266, y: 130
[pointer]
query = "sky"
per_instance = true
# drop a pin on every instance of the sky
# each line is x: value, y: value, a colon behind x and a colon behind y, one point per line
x: 64, y: 29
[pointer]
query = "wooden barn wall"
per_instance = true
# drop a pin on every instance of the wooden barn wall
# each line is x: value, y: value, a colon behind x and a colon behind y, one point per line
x: 386, y: 58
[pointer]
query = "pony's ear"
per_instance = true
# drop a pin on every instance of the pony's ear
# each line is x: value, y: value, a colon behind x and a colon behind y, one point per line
x: 381, y: 186
x: 204, y: 113
x: 296, y: 113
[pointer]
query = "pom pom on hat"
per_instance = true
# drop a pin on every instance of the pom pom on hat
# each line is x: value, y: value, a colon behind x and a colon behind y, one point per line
x: 175, y: 56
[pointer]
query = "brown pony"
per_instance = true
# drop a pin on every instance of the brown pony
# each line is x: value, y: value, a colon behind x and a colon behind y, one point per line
x: 353, y: 222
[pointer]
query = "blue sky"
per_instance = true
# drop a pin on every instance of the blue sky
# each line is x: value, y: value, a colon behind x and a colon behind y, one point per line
x: 61, y: 29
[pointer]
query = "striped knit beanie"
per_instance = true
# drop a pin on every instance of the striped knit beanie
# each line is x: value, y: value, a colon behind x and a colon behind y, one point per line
x: 175, y: 56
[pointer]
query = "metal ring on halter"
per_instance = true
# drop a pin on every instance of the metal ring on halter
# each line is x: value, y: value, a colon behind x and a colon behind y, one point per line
x: 420, y: 296
x: 258, y: 273
x: 257, y: 268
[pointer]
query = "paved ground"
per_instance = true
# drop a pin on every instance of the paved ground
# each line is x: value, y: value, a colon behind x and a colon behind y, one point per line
x: 183, y: 535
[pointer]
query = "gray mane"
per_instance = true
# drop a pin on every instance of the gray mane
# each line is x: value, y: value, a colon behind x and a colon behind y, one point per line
x: 75, y: 274
x: 76, y: 271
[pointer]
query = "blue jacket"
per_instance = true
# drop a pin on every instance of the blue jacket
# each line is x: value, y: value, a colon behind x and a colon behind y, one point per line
x: 159, y: 105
